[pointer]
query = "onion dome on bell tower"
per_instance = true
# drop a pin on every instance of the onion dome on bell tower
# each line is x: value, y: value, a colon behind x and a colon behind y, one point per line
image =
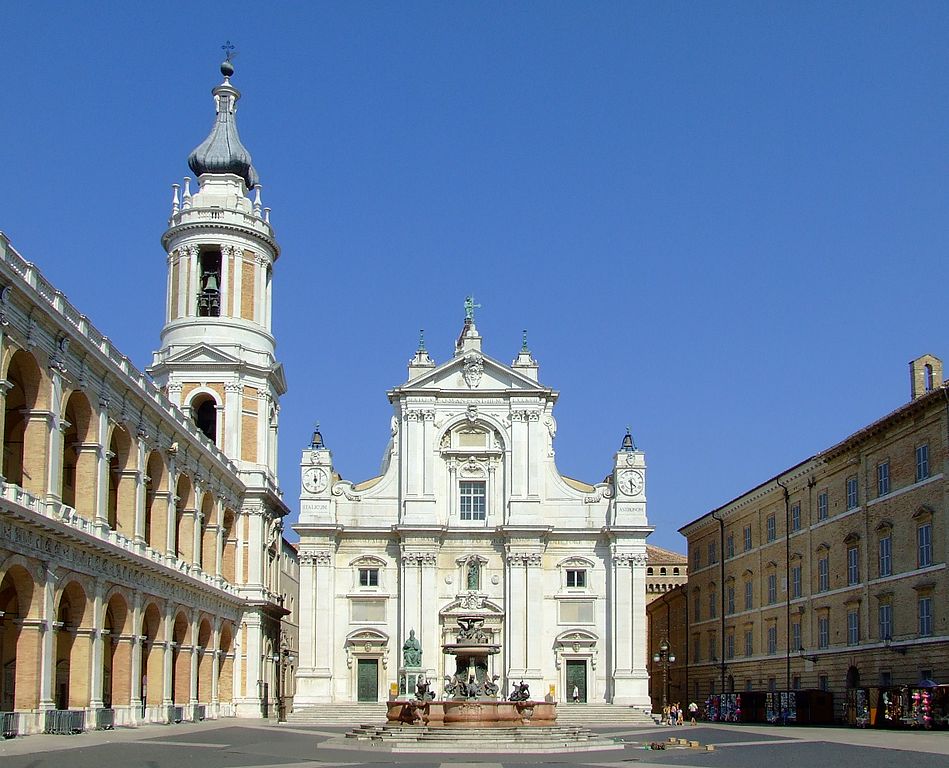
x: 222, y: 151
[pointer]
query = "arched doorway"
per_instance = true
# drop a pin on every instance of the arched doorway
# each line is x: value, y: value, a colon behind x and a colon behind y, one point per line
x: 116, y: 654
x: 80, y: 457
x: 25, y: 425
x: 205, y: 657
x: 181, y: 660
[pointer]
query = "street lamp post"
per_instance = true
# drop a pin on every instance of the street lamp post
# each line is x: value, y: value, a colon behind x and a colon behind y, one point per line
x: 664, y: 657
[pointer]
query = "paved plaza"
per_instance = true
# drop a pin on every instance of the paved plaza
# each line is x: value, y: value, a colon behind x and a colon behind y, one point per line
x: 246, y: 743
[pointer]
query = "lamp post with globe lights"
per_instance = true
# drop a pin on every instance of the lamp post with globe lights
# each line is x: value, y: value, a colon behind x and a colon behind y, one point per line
x: 664, y: 657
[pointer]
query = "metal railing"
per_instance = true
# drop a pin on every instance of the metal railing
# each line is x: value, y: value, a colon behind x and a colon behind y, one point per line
x: 64, y: 722
x: 10, y: 725
x: 105, y: 719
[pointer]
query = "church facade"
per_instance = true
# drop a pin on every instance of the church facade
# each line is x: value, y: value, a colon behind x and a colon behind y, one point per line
x: 470, y: 519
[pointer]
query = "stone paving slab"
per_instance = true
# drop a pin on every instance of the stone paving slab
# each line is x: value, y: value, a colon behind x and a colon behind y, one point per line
x: 252, y: 744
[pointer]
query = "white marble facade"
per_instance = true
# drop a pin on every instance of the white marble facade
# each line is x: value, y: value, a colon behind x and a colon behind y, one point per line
x: 470, y: 517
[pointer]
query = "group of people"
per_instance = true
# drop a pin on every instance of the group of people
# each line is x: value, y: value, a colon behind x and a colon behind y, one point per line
x: 674, y: 714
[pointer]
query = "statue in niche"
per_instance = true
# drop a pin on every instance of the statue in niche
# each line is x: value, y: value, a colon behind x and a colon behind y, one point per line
x: 474, y: 575
x: 411, y: 651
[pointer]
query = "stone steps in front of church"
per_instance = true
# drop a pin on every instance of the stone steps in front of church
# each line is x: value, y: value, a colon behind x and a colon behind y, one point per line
x: 339, y: 713
x: 602, y: 714
x: 359, y: 713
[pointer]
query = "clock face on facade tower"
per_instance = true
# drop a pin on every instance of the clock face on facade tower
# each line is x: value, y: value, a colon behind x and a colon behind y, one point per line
x: 631, y: 482
x: 314, y: 480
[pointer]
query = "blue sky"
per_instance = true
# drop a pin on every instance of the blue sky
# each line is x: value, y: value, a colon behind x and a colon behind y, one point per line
x: 723, y: 224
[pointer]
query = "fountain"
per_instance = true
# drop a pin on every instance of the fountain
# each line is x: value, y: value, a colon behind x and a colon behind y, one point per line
x: 470, y: 694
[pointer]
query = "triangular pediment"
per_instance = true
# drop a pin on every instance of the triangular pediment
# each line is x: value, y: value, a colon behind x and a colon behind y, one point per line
x: 201, y: 354
x: 472, y: 372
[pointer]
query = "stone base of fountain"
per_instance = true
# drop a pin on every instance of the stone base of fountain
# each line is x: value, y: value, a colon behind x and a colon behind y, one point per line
x: 474, y: 713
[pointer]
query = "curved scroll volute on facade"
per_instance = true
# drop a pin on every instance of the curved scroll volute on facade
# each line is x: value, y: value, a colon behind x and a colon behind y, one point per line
x: 26, y: 420
x: 80, y: 473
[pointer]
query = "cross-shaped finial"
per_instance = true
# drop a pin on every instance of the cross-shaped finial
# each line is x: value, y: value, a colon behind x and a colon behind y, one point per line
x: 470, y: 307
x: 228, y: 49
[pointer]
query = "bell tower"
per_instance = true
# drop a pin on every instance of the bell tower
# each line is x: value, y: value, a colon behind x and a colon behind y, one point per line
x: 217, y: 359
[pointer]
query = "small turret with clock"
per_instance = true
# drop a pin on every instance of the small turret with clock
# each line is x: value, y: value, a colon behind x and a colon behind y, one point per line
x: 316, y: 469
x: 629, y: 478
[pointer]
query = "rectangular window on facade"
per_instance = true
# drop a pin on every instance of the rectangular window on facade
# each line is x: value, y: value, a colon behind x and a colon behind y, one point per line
x: 729, y: 646
x: 922, y: 462
x: 823, y: 631
x: 730, y: 600
x: 696, y: 558
x: 749, y: 596
x: 925, y: 616
x: 852, y: 496
x: 886, y: 557
x: 368, y: 577
x: 730, y: 545
x: 697, y: 606
x: 712, y: 647
x: 796, y: 581
x: 853, y: 627
x: 712, y: 605
x: 772, y: 683
x: 885, y: 620
x: 924, y: 545
x: 697, y: 647
x: 772, y: 640
x: 822, y: 505
x: 823, y: 682
x: 796, y: 636
x: 823, y: 574
x: 796, y: 682
x: 853, y: 565
x: 772, y: 588
x: 886, y: 678
x: 883, y: 478
x: 747, y: 534
x: 712, y: 552
x: 795, y: 517
x: 473, y: 496
x: 576, y: 577
x: 771, y: 528
x: 749, y: 642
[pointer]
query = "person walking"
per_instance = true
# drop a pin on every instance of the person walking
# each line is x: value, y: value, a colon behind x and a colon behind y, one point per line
x: 576, y: 695
x: 680, y: 713
x: 693, y: 710
x: 673, y: 715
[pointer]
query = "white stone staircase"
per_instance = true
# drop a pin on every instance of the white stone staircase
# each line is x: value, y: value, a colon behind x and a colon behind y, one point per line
x: 353, y: 714
x: 350, y: 714
x: 602, y: 714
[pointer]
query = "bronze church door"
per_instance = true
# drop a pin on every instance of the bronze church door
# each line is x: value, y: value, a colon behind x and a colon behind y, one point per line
x: 367, y: 680
x: 577, y: 676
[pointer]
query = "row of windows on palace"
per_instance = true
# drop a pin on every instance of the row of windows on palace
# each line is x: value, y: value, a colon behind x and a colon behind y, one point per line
x: 884, y: 568
x: 853, y: 501
x: 924, y: 621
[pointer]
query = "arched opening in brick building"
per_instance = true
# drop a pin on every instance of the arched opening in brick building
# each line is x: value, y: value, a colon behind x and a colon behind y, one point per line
x: 181, y: 660
x: 25, y: 424
x: 73, y: 648
x: 116, y: 654
x: 184, y: 520
x: 151, y: 671
x: 17, y: 682
x: 205, y: 658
